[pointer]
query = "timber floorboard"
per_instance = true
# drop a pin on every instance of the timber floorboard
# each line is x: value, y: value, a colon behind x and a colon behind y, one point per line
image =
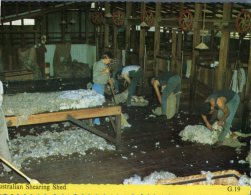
x: 151, y: 144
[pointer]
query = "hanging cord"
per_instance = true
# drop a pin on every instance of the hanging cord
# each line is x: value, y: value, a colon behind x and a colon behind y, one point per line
x: 234, y: 81
x: 237, y: 63
x: 241, y: 78
x: 203, y: 22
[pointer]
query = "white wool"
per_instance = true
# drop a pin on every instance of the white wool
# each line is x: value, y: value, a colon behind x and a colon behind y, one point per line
x: 242, y: 162
x: 217, y: 127
x: 135, y: 179
x: 23, y: 105
x: 150, y: 179
x: 199, y: 134
x: 155, y: 176
x: 121, y: 97
x: 34, y: 103
x: 139, y: 101
x: 63, y: 143
x: 209, y: 176
x: 244, y: 181
x: 248, y: 159
x: 124, y: 122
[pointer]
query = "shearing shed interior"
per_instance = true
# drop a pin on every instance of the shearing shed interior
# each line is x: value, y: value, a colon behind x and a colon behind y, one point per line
x: 83, y: 99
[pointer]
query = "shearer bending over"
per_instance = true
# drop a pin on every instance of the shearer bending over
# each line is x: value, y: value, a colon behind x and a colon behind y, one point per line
x: 131, y: 74
x: 168, y: 82
x: 226, y: 102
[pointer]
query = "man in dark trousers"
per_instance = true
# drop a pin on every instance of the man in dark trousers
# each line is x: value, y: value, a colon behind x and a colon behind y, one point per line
x: 226, y: 102
x: 40, y: 51
x: 167, y: 82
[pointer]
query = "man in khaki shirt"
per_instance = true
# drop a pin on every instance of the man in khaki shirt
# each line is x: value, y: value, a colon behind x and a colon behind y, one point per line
x: 4, y: 136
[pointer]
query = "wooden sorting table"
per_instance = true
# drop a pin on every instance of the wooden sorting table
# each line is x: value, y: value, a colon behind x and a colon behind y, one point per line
x: 75, y: 115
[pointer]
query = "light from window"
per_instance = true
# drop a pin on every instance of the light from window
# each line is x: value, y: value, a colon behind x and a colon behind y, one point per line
x: 16, y: 23
x: 6, y: 23
x: 19, y: 23
x: 29, y: 22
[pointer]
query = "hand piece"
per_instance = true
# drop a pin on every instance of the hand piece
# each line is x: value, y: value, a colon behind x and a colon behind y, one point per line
x: 220, y: 123
x: 110, y: 81
x: 106, y: 70
x: 124, y: 83
x: 209, y: 126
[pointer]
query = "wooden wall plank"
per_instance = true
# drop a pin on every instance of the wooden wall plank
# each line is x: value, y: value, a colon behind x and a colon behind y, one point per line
x: 157, y: 37
x: 106, y: 26
x: 196, y: 41
x: 142, y: 47
x: 174, y: 49
x: 115, y: 40
x: 128, y: 27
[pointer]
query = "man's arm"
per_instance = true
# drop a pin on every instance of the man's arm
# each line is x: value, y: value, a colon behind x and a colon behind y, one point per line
x: 100, y: 69
x: 222, y: 106
x: 204, y: 117
x: 156, y: 89
x: 126, y: 77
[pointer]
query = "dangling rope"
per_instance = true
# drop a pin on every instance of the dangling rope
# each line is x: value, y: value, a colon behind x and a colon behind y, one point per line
x: 239, y: 76
x: 234, y: 82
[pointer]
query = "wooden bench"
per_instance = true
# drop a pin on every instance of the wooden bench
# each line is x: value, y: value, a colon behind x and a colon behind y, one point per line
x: 74, y: 116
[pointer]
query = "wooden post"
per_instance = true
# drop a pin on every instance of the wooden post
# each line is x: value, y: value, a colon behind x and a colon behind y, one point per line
x: 87, y: 21
x: 196, y: 41
x: 133, y: 35
x: 106, y: 26
x: 22, y: 34
x: 156, y: 37
x: 142, y: 46
x: 179, y: 54
x: 79, y: 24
x: 115, y: 40
x: 248, y: 88
x: 128, y: 27
x: 246, y: 115
x: 63, y: 25
x: 174, y: 46
x: 223, y: 55
x: 44, y: 23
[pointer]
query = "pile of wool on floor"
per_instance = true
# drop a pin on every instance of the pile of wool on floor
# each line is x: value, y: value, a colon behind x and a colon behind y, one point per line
x: 74, y: 140
x: 201, y: 134
x: 150, y: 179
x: 248, y: 159
x: 23, y: 105
x: 139, y: 101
